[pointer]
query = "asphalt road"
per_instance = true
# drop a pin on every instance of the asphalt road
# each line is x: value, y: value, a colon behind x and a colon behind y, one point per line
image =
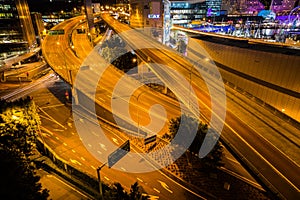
x: 58, y: 188
x: 236, y: 132
x: 279, y: 172
x: 59, y: 133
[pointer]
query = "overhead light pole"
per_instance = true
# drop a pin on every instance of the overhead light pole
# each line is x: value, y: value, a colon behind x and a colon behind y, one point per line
x: 99, y: 180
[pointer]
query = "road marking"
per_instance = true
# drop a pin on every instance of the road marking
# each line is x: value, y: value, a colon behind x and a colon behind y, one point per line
x: 73, y: 133
x: 71, y: 187
x: 106, y: 178
x: 164, y: 185
x: 101, y: 99
x: 115, y: 140
x: 95, y: 134
x: 89, y: 145
x: 103, y: 146
x: 94, y: 168
x: 65, y: 144
x: 73, y: 151
x: 140, y: 180
x: 123, y: 169
x: 156, y: 190
x: 81, y: 120
x: 232, y: 160
x: 53, y: 119
x: 57, y: 130
x: 75, y: 161
x: 150, y: 197
x: 82, y: 158
x: 99, y: 152
x: 57, y: 138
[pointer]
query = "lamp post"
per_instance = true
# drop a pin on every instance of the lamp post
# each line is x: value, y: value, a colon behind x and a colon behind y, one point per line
x: 99, y: 180
x: 137, y: 110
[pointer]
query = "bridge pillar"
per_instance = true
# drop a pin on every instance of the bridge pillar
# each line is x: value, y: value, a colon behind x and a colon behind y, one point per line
x: 74, y: 96
x: 90, y: 17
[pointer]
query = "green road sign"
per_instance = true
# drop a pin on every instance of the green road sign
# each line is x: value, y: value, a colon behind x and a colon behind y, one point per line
x: 56, y: 32
x: 115, y: 156
x: 150, y: 139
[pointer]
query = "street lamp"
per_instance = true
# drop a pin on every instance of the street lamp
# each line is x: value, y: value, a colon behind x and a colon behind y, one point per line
x: 99, y: 180
x: 137, y: 110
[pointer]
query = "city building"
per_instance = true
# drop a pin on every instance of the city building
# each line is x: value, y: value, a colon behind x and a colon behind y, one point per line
x: 185, y: 12
x: 48, y: 6
x: 154, y: 15
x: 17, y: 34
x: 38, y: 26
x: 252, y: 7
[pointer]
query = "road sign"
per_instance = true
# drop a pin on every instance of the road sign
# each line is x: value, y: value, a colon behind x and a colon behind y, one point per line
x: 150, y: 139
x: 115, y: 156
x: 56, y: 32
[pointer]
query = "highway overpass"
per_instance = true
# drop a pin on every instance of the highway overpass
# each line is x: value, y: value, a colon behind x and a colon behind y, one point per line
x: 278, y: 172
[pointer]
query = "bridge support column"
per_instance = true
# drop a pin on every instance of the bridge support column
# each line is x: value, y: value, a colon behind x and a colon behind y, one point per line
x: 74, y: 96
x: 90, y: 17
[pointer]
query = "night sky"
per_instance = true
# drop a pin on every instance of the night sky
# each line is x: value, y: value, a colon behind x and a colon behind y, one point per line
x: 58, y: 5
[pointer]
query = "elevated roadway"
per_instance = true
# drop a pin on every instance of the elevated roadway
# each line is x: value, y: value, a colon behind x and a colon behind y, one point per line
x: 60, y: 57
x: 272, y: 166
x: 278, y: 172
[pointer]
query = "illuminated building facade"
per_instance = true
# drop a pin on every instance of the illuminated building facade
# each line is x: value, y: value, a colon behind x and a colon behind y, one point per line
x: 145, y: 13
x: 16, y: 30
x: 252, y: 7
x: 184, y: 12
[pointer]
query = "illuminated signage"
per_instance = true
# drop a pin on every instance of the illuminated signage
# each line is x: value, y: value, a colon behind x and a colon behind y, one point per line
x: 153, y: 16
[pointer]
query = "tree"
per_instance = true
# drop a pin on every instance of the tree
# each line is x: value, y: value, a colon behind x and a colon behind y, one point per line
x: 114, y: 51
x: 117, y: 192
x: 19, y: 122
x: 18, y: 177
x: 214, y: 158
x: 135, y: 192
x: 18, y: 125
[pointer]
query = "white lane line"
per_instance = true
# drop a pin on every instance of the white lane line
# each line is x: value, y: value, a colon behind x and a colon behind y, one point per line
x: 73, y: 151
x: 71, y: 187
x: 232, y: 160
x: 75, y: 162
x: 103, y: 146
x: 139, y: 179
x: 82, y: 158
x: 101, y: 99
x: 94, y: 168
x: 156, y: 190
x: 106, y: 178
x: 115, y: 140
x: 57, y: 138
x: 99, y: 152
x: 164, y: 185
x: 123, y: 169
x: 89, y: 145
x: 95, y: 134
x: 65, y: 144
x: 58, y: 130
